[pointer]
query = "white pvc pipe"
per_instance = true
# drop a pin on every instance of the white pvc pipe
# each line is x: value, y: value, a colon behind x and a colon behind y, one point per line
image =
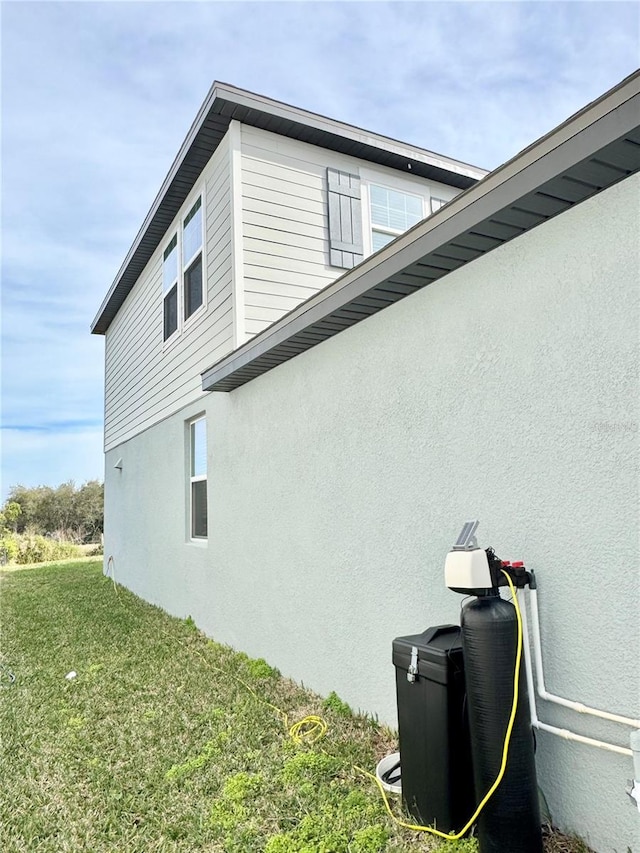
x: 527, y: 657
x: 567, y: 735
x: 558, y: 700
x: 535, y: 722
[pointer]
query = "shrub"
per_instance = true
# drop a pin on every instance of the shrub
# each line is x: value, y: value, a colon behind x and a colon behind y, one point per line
x: 8, y: 548
x: 33, y: 548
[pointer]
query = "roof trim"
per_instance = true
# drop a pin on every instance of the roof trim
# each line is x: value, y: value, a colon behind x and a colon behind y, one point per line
x: 224, y: 103
x: 589, y: 152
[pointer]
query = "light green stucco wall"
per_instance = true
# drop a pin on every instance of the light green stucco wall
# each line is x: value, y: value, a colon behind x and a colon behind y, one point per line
x: 338, y: 481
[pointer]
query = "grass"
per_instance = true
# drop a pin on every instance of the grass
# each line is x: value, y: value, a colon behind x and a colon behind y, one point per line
x: 156, y: 746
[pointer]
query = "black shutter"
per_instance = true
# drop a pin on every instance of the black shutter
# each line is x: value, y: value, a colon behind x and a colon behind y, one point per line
x: 345, y: 219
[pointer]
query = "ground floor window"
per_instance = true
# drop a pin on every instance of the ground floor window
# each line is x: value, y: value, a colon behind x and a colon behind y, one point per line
x: 198, y: 478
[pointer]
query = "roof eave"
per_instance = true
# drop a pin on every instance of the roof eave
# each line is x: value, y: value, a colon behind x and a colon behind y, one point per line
x: 407, y: 264
x: 224, y: 103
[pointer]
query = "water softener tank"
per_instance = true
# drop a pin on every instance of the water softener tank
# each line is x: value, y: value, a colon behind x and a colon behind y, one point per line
x: 510, y: 821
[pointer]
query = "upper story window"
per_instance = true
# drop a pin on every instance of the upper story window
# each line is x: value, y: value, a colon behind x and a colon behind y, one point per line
x: 192, y: 259
x: 392, y: 213
x: 364, y: 214
x: 170, y: 286
x: 182, y: 271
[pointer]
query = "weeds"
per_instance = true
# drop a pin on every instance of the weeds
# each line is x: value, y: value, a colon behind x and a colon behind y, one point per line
x: 334, y: 703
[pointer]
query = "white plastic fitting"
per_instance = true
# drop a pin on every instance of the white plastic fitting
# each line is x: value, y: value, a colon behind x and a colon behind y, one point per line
x: 634, y: 790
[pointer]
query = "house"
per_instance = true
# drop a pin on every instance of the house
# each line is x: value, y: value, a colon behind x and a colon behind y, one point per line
x: 326, y: 349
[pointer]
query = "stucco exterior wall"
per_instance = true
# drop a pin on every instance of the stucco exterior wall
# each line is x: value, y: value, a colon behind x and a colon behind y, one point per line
x: 508, y: 391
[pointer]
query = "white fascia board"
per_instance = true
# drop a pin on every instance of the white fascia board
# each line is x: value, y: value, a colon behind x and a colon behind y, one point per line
x: 177, y: 162
x: 237, y: 236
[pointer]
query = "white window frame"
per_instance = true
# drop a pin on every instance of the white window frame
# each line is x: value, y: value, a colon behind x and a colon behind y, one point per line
x: 436, y: 202
x: 185, y: 264
x: 195, y: 478
x: 175, y: 284
x: 400, y: 184
x: 385, y: 229
x: 177, y: 230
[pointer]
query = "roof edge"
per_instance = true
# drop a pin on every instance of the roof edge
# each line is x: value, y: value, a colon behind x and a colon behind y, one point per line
x: 280, y: 109
x: 599, y: 123
x: 223, y: 100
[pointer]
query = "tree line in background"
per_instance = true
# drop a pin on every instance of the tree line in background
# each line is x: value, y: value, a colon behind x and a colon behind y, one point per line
x: 46, y: 523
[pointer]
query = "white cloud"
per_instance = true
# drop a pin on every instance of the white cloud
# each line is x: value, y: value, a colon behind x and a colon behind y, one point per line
x: 97, y: 98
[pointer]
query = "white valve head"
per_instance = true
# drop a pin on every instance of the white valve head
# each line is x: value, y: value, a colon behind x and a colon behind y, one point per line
x: 468, y: 571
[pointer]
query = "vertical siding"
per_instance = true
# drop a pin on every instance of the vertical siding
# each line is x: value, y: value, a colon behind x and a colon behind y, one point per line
x: 146, y: 381
x: 285, y: 220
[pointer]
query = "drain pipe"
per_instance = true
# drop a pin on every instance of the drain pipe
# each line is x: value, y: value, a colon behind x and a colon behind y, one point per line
x: 558, y: 700
x: 554, y: 730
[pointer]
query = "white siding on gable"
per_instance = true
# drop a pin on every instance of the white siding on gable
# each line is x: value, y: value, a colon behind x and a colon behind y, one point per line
x: 285, y: 220
x: 281, y: 245
x: 146, y: 378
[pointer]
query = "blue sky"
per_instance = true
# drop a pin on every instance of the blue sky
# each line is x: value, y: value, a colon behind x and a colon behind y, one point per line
x: 97, y: 98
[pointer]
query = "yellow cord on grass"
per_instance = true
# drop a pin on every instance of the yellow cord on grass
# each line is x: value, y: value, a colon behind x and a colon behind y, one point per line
x: 308, y: 729
x: 313, y: 728
x: 505, y: 749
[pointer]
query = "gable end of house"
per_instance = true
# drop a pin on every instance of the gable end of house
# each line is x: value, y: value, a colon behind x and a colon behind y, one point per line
x: 225, y: 103
x: 591, y: 151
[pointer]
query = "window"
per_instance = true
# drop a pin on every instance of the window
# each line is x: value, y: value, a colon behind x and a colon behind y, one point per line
x: 437, y: 203
x: 192, y: 259
x: 182, y: 273
x: 198, y: 478
x: 170, y: 286
x: 392, y: 213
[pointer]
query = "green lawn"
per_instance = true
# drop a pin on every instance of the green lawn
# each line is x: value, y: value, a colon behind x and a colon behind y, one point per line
x: 156, y: 745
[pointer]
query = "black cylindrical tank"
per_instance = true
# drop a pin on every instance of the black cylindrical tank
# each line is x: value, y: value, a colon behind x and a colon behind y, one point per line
x: 510, y: 821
